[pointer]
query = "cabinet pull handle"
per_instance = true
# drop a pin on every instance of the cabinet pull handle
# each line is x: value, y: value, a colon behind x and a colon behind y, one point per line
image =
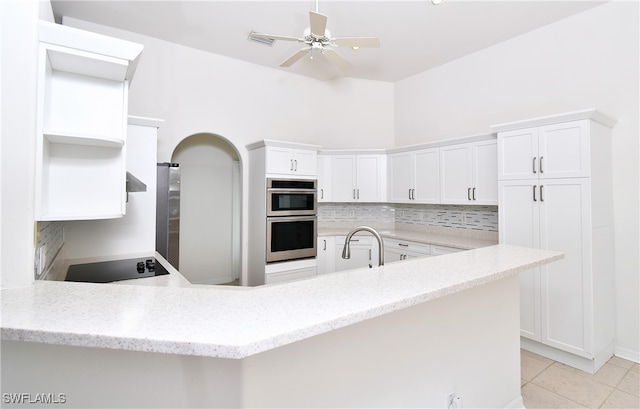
x: 403, y: 245
x: 413, y: 194
x: 354, y: 240
x: 534, y: 164
x: 534, y: 193
x: 541, y: 186
x: 358, y: 190
x: 469, y: 193
x: 541, y: 171
x: 296, y: 165
x: 325, y: 245
x: 291, y: 161
x: 321, y: 193
x: 409, y: 194
x: 354, y: 194
x: 474, y: 193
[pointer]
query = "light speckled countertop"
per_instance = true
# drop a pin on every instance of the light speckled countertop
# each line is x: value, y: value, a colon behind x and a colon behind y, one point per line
x: 235, y: 323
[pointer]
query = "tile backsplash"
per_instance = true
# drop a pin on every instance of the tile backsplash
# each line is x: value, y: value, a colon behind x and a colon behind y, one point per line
x: 50, y: 241
x: 484, y: 218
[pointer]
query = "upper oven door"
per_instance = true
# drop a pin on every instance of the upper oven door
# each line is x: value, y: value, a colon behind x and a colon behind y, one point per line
x: 291, y: 202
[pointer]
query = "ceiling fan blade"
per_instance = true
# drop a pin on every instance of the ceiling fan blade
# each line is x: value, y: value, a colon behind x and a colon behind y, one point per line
x: 295, y: 57
x: 336, y: 59
x: 275, y: 37
x: 356, y: 41
x: 318, y: 23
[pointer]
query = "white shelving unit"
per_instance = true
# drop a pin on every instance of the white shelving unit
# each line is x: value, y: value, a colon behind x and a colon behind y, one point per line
x: 83, y: 83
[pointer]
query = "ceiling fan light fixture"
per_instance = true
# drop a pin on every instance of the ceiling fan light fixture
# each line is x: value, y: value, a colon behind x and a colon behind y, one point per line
x: 355, y: 47
x: 437, y: 2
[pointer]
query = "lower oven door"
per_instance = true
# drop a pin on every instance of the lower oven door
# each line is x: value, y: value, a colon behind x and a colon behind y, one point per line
x: 291, y: 238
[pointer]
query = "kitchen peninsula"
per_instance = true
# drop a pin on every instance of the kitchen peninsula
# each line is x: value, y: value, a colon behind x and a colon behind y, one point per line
x: 405, y: 334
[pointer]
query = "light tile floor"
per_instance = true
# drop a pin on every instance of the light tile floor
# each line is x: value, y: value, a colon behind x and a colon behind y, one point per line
x: 547, y: 384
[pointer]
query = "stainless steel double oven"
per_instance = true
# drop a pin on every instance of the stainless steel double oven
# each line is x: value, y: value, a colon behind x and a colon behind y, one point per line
x: 291, y: 219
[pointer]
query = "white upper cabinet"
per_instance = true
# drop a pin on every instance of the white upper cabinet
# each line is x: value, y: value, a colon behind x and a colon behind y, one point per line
x: 83, y: 82
x: 358, y: 178
x: 288, y: 161
x: 468, y: 173
x: 414, y: 176
x: 324, y: 178
x: 547, y: 150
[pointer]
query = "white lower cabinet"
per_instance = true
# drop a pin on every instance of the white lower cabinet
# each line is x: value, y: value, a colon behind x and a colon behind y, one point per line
x: 555, y: 299
x: 290, y: 271
x: 441, y: 250
x: 364, y: 252
x: 326, y: 254
x: 398, y: 250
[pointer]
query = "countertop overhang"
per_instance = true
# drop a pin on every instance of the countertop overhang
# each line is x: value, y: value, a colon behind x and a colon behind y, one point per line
x: 227, y: 322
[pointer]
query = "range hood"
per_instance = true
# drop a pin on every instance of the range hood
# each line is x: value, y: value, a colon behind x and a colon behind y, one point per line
x: 134, y: 185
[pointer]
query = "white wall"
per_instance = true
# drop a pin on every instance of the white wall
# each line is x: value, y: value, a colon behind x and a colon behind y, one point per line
x: 588, y: 60
x: 18, y: 55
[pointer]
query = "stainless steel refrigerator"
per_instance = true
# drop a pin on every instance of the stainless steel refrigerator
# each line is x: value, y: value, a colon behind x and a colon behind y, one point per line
x: 168, y: 212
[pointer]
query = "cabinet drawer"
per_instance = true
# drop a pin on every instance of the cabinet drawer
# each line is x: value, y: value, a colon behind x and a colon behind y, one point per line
x: 440, y: 250
x: 410, y: 246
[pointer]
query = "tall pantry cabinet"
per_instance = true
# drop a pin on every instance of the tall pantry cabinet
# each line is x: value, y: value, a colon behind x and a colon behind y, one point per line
x: 554, y: 192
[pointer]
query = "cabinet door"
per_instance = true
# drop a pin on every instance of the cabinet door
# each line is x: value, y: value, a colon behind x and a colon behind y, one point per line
x: 566, y: 285
x: 324, y: 178
x: 564, y: 150
x: 485, y: 173
x: 279, y: 160
x: 401, y: 177
x: 361, y: 256
x: 455, y: 174
x: 305, y: 162
x: 326, y: 254
x: 427, y: 176
x: 369, y: 178
x: 518, y: 154
x: 343, y: 178
x: 519, y: 220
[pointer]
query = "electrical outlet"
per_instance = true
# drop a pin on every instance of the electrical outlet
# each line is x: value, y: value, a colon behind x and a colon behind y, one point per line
x: 450, y: 400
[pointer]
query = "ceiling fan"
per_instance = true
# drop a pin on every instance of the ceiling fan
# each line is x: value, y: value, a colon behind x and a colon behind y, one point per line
x: 318, y: 40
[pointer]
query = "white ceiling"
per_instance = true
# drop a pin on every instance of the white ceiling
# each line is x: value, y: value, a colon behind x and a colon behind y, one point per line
x: 414, y: 35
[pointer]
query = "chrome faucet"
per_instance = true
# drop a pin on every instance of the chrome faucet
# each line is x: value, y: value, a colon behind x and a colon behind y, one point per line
x: 346, y: 250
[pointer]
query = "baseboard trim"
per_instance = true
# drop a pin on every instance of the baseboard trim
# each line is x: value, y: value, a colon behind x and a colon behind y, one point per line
x: 517, y: 403
x: 628, y: 354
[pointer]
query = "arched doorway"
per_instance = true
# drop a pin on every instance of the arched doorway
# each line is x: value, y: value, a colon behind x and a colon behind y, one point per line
x: 210, y: 209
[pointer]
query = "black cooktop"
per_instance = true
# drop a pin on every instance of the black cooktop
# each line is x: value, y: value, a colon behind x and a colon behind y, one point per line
x: 109, y: 271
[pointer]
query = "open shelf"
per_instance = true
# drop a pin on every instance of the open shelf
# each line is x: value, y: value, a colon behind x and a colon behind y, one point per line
x: 80, y: 139
x: 82, y: 102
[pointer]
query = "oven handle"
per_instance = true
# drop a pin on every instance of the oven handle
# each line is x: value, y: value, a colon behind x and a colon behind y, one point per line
x: 279, y: 190
x: 292, y: 218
